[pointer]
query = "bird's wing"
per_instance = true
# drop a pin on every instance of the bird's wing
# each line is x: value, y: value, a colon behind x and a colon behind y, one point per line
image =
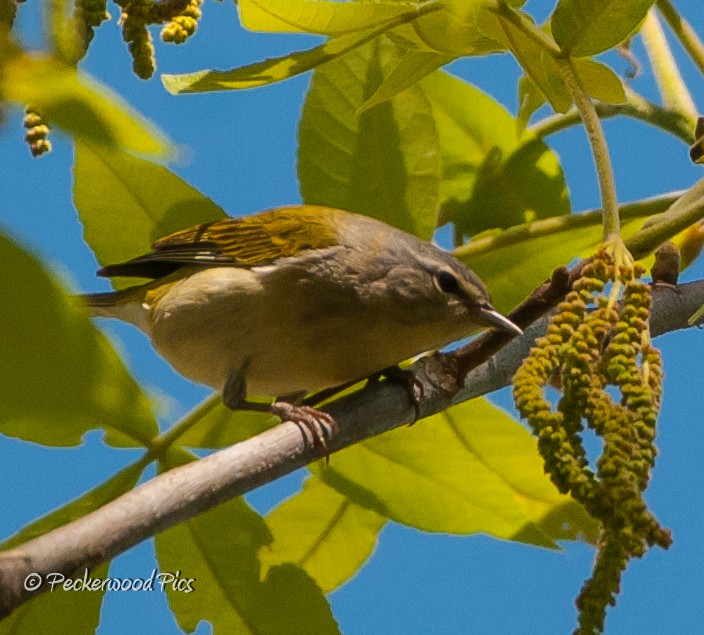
x: 236, y: 242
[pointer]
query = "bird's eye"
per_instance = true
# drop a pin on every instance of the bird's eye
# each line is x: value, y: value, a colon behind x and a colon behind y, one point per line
x: 447, y: 282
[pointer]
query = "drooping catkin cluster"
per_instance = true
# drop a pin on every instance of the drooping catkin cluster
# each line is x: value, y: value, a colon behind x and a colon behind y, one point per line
x: 184, y: 25
x: 134, y: 20
x: 89, y: 14
x: 37, y: 132
x: 181, y: 18
x: 593, y: 342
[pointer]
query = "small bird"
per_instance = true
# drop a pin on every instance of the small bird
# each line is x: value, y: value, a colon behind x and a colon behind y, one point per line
x: 296, y: 299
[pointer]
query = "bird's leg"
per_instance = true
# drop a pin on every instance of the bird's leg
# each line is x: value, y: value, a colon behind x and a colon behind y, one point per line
x: 320, y: 425
x: 234, y: 394
x: 412, y: 385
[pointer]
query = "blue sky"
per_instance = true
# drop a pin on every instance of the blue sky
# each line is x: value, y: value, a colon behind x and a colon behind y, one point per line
x: 239, y: 149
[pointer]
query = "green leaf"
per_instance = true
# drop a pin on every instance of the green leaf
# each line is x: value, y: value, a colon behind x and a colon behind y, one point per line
x: 491, y: 176
x: 539, y: 65
x: 217, y: 550
x: 463, y: 27
x: 318, y: 16
x: 588, y: 27
x: 126, y: 203
x: 598, y: 80
x: 383, y: 163
x: 60, y: 376
x: 325, y: 533
x: 215, y: 426
x: 473, y: 467
x: 62, y: 611
x: 412, y: 67
x: 80, y: 105
x: 269, y: 71
x: 280, y: 68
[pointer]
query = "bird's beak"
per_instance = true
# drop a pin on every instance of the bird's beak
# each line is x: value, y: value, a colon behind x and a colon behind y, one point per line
x: 488, y: 316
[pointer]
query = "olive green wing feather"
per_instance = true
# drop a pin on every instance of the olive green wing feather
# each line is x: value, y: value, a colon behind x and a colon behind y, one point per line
x: 236, y: 242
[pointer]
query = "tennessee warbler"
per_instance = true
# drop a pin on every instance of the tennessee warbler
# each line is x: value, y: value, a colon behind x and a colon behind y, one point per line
x: 295, y: 299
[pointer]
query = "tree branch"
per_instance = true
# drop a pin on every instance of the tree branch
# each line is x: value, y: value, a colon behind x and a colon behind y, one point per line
x: 186, y: 491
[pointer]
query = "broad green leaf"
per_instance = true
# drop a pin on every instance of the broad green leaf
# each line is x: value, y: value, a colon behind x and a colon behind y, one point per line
x: 384, y: 162
x: 80, y: 105
x: 60, y: 377
x: 539, y: 65
x: 322, y: 531
x: 268, y: 71
x: 598, y: 80
x: 62, y: 611
x: 473, y: 467
x: 215, y: 426
x: 126, y: 203
x: 218, y: 551
x: 280, y: 68
x: 491, y: 176
x: 588, y: 27
x: 463, y: 27
x: 319, y: 16
x: 413, y: 66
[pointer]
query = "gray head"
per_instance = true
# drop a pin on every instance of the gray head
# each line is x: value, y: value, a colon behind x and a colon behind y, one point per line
x: 426, y: 283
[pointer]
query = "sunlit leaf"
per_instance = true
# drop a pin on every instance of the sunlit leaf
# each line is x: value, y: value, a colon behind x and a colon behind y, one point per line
x: 280, y: 68
x: 126, y: 203
x: 60, y: 611
x: 588, y: 27
x: 61, y: 377
x: 412, y: 67
x: 322, y: 531
x: 383, y: 162
x: 217, y: 550
x: 268, y: 71
x: 492, y: 177
x: 80, y: 105
x: 215, y: 426
x: 471, y: 469
x: 319, y: 16
x: 463, y: 27
x: 598, y: 80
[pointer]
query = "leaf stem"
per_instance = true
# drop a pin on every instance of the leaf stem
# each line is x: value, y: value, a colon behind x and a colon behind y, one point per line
x: 165, y: 440
x: 635, y: 106
x: 519, y: 20
x: 600, y: 150
x: 673, y: 89
x: 684, y: 212
x: 684, y: 32
x: 548, y: 226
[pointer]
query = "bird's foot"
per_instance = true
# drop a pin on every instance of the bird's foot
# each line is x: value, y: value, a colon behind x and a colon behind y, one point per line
x: 321, y: 426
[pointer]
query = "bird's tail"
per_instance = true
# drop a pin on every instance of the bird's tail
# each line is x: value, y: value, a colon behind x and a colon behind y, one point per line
x: 103, y: 300
x: 117, y: 304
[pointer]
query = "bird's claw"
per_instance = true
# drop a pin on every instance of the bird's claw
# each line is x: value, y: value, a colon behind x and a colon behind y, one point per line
x: 319, y: 424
